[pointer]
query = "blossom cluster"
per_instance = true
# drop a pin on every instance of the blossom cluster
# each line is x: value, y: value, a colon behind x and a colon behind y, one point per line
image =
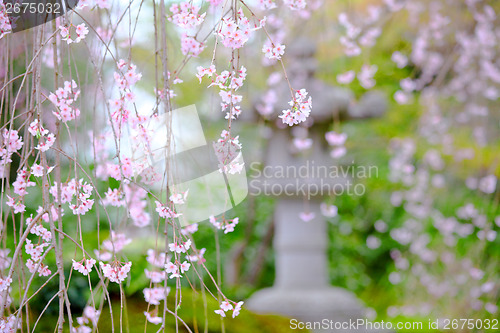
x: 81, y: 32
x: 116, y: 272
x: 185, y: 15
x: 5, y: 21
x: 190, y: 46
x: 227, y: 149
x: 300, y: 109
x: 228, y: 83
x: 90, y: 316
x: 11, y: 143
x: 84, y: 266
x: 63, y: 99
x: 337, y: 141
x: 234, y: 34
x: 295, y: 4
x: 226, y: 225
x: 34, y: 263
x: 225, y: 306
x: 125, y: 79
x: 112, y: 246
x: 74, y: 188
x: 272, y: 51
x: 165, y: 211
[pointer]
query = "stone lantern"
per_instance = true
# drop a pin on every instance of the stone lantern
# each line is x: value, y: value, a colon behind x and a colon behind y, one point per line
x: 301, y: 288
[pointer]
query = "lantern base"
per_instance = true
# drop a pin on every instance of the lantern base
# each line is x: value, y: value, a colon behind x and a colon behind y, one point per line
x: 328, y: 309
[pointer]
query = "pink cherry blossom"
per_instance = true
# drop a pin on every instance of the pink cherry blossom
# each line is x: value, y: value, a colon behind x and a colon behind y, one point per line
x: 185, y: 15
x: 5, y: 283
x: 295, y: 4
x: 336, y: 139
x: 184, y: 267
x: 155, y: 295
x: 84, y: 266
x: 156, y: 259
x: 302, y: 144
x: 37, y: 170
x: 328, y: 210
x: 153, y: 319
x: 165, y: 211
x: 189, y: 229
x: 338, y: 152
x: 191, y: 47
x: 346, y: 78
x: 155, y: 277
x: 273, y: 51
x: 237, y: 309
x: 301, y: 109
x: 365, y: 76
x: 16, y: 205
x: 116, y: 272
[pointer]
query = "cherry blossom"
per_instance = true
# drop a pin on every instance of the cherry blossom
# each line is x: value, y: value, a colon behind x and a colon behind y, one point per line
x: 365, y: 76
x: 234, y: 34
x: 399, y: 59
x: 191, y: 47
x: 227, y: 149
x: 179, y: 198
x: 116, y: 272
x: 226, y: 225
x: 190, y: 229
x: 185, y: 15
x: 81, y: 32
x: 82, y: 193
x: 11, y: 140
x: 22, y: 183
x: 272, y: 51
x: 36, y: 129
x: 226, y: 306
x: 155, y: 277
x: 180, y: 247
x: 198, y: 257
x: 153, y: 319
x: 302, y: 144
x: 301, y: 109
x: 295, y: 4
x: 156, y: 259
x: 9, y: 325
x: 346, y: 78
x: 336, y: 139
x: 43, y: 146
x: 328, y: 210
x: 237, y: 308
x: 155, y: 295
x: 40, y: 231
x: 113, y: 198
x: 184, y: 267
x: 16, y: 205
x: 4, y: 259
x: 116, y: 243
x: 307, y: 216
x: 90, y: 315
x: 165, y: 211
x: 5, y: 23
x: 172, y: 269
x: 5, y: 283
x: 63, y: 99
x: 84, y: 266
